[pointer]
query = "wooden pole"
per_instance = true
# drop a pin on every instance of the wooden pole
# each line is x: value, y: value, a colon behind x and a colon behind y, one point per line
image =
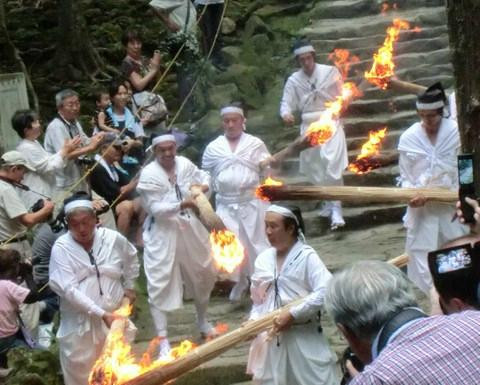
x: 405, y: 87
x: 356, y: 194
x: 207, y: 215
x: 400, y: 261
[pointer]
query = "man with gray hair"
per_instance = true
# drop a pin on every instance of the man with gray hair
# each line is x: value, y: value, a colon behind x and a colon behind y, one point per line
x: 65, y: 126
x: 373, y: 305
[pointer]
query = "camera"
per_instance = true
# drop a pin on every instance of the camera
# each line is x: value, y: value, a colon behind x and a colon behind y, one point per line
x: 83, y: 161
x: 56, y: 224
x: 357, y: 364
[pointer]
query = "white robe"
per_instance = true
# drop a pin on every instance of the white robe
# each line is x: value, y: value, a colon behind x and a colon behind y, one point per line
x: 82, y: 331
x: 324, y: 164
x: 235, y: 175
x: 42, y: 179
x: 303, y: 355
x: 177, y: 250
x: 423, y: 164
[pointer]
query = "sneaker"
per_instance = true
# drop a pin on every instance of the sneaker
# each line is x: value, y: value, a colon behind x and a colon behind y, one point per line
x: 164, y: 348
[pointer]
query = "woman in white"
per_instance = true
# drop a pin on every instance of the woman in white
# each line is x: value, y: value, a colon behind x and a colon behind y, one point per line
x: 27, y: 125
x: 299, y: 353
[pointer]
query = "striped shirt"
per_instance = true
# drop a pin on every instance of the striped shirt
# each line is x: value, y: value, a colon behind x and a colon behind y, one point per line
x: 434, y: 350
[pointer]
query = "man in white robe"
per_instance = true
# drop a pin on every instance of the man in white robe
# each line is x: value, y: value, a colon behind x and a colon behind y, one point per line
x: 176, y: 245
x: 428, y: 159
x: 91, y: 269
x: 299, y: 354
x: 306, y: 92
x: 234, y: 161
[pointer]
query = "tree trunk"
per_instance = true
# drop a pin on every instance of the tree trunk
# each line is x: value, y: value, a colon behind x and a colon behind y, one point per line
x: 75, y: 57
x: 10, y: 51
x: 464, y: 30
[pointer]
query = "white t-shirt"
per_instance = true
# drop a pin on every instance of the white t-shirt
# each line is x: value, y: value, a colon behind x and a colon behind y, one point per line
x: 11, y: 206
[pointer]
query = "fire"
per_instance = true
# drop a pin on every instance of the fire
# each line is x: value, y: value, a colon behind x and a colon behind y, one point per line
x: 219, y: 329
x: 268, y: 182
x: 343, y: 60
x: 323, y: 129
x: 383, y: 66
x: 227, y: 251
x: 364, y: 162
x: 118, y: 365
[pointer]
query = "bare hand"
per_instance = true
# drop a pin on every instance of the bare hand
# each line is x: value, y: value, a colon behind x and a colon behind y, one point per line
x: 283, y: 322
x: 48, y: 206
x: 196, y: 189
x: 131, y: 294
x: 476, y: 207
x: 351, y: 369
x: 97, y: 139
x: 108, y: 318
x: 266, y: 162
x: 189, y: 203
x: 155, y: 60
x: 99, y: 204
x: 288, y: 119
x: 71, y: 144
x: 417, y: 201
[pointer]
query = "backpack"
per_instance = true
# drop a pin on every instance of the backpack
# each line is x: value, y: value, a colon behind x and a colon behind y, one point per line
x: 150, y: 107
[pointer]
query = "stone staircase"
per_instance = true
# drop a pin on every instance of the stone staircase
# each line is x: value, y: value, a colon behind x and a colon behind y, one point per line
x: 421, y: 57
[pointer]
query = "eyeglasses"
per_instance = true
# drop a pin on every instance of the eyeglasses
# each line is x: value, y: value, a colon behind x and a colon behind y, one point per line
x: 71, y: 104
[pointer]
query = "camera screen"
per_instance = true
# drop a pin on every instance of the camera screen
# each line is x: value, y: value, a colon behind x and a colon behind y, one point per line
x: 465, y: 171
x: 453, y: 260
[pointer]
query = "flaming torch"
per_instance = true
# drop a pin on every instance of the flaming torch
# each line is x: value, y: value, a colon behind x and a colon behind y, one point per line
x: 259, y: 192
x: 366, y: 161
x: 227, y: 251
x: 383, y: 66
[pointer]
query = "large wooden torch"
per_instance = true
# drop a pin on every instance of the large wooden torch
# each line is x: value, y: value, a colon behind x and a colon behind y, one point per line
x: 206, y: 213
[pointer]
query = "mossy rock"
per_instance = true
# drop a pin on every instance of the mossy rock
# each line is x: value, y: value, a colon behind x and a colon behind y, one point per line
x: 222, y: 94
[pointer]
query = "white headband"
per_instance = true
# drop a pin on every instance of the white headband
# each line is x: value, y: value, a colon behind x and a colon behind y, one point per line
x: 231, y: 110
x: 79, y: 203
x: 163, y: 138
x: 304, y: 49
x: 283, y: 211
x: 430, y: 106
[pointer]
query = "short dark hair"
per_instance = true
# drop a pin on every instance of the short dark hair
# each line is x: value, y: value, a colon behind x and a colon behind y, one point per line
x: 131, y: 35
x: 99, y: 92
x: 23, y: 119
x: 114, y: 86
x: 291, y: 222
x: 9, y: 259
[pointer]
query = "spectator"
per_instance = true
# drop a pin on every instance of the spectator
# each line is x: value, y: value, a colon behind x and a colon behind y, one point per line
x: 14, y: 216
x: 64, y: 127
x: 13, y: 295
x: 210, y: 14
x: 374, y: 306
x: 101, y: 121
x: 113, y: 184
x: 42, y: 180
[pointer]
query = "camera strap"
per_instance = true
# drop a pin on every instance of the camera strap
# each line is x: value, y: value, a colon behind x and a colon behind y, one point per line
x: 21, y: 186
x: 393, y: 326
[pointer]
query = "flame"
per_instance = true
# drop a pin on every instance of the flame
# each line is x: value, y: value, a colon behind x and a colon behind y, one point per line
x: 383, y: 66
x: 227, y: 251
x: 343, y: 60
x: 118, y: 365
x: 268, y: 182
x: 219, y: 329
x: 364, y: 162
x: 323, y: 129
x: 124, y: 311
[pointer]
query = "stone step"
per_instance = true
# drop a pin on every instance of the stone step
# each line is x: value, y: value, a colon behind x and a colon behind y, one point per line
x: 356, y: 8
x: 383, y: 176
x: 401, y: 47
x: 361, y: 125
x: 368, y: 25
x: 355, y: 218
x: 376, y: 40
x: 389, y: 103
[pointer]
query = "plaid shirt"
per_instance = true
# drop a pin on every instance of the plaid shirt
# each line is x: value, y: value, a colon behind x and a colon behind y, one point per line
x: 435, y: 350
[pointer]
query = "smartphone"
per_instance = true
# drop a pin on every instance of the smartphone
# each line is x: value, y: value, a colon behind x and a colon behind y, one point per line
x: 467, y: 185
x: 449, y: 260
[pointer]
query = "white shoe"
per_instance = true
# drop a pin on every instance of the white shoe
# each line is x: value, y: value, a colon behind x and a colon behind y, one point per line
x: 336, y: 219
x: 326, y: 209
x: 164, y: 348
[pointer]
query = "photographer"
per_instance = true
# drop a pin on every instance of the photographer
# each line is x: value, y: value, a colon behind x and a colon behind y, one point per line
x: 373, y: 305
x: 12, y: 331
x: 65, y: 126
x: 14, y: 216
